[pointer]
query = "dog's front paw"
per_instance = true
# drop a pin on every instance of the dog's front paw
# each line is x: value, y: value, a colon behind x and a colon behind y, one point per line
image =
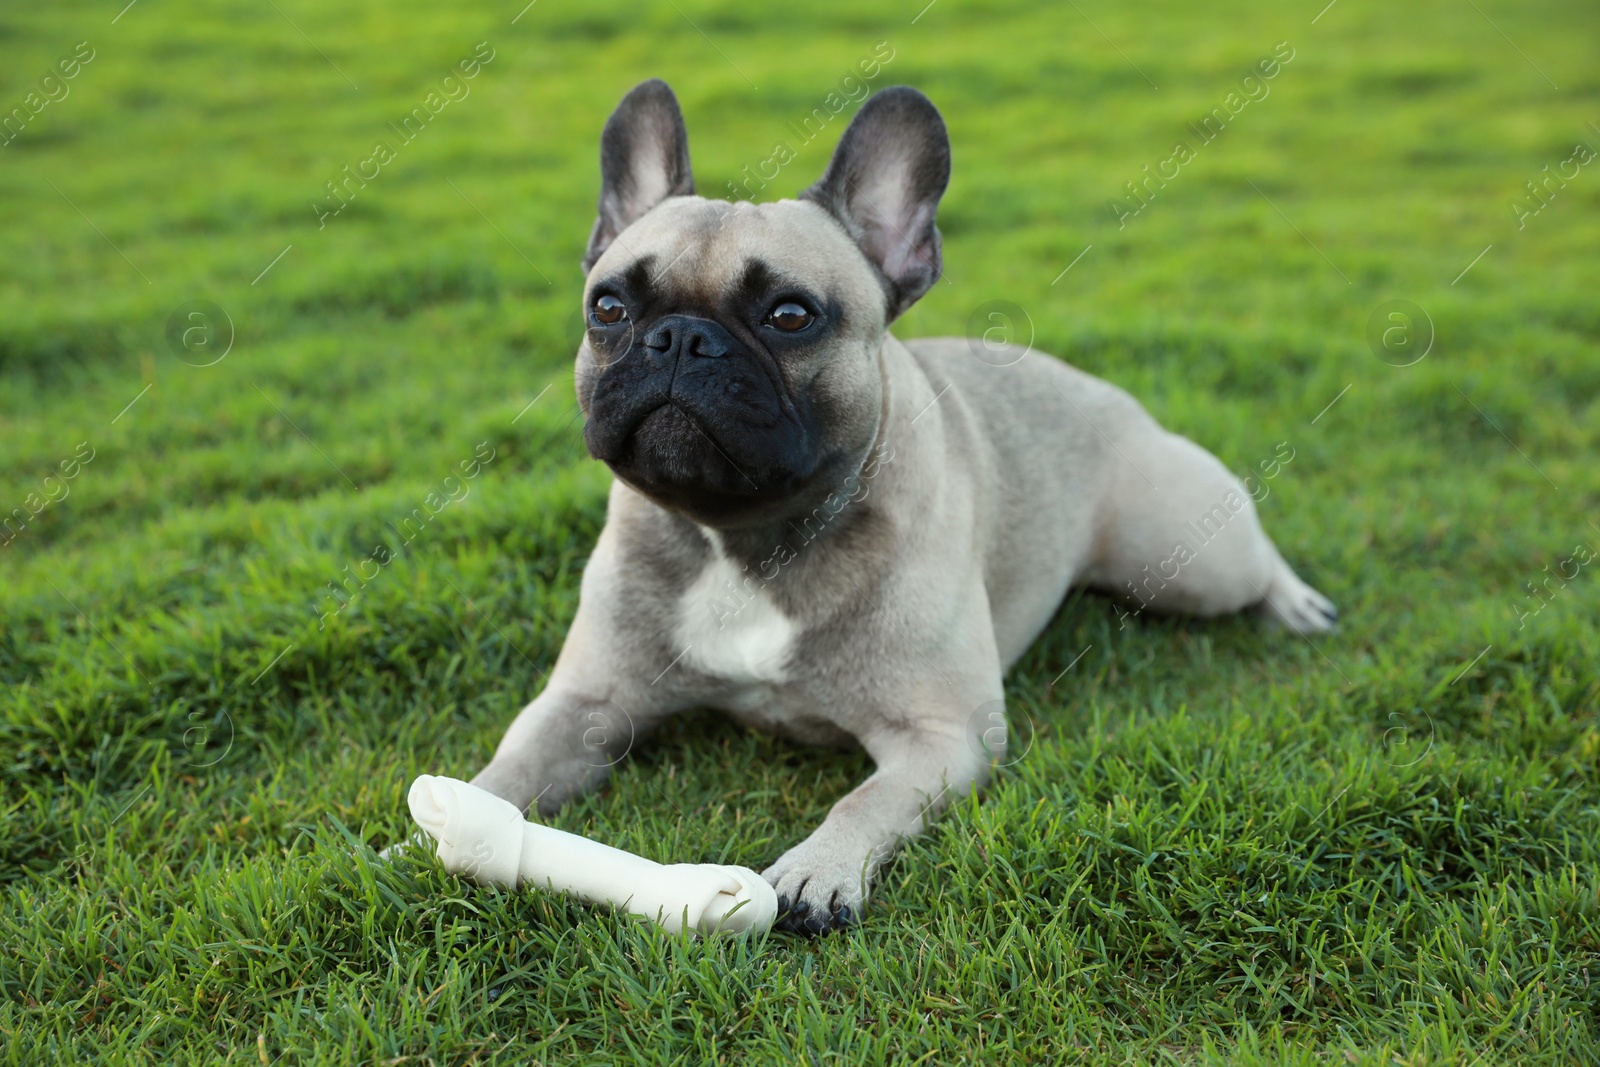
x: 820, y: 889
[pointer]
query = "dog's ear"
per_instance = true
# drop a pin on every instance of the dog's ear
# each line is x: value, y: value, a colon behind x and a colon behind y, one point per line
x: 644, y: 158
x: 884, y: 184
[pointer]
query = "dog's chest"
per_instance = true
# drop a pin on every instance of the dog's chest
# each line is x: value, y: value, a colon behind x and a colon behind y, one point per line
x: 730, y: 629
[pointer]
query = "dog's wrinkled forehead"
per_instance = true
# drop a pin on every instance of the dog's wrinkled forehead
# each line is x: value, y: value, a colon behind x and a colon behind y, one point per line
x: 699, y: 252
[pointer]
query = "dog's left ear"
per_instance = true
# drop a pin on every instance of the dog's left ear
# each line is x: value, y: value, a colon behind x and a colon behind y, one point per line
x: 884, y: 183
x: 644, y: 159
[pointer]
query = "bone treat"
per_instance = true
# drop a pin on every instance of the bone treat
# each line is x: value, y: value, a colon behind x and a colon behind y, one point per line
x: 485, y: 839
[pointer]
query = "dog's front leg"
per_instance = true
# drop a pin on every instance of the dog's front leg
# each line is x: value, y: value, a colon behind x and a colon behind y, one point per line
x: 562, y: 744
x: 823, y: 882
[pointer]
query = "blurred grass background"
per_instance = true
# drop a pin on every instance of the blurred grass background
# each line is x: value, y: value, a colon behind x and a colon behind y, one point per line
x: 1223, y: 846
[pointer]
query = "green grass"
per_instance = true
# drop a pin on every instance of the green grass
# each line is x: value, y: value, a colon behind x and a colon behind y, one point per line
x: 1223, y: 846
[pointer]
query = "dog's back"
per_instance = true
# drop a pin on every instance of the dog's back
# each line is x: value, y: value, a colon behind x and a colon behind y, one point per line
x: 1016, y: 406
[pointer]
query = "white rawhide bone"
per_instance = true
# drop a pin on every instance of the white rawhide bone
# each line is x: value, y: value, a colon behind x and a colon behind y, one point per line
x: 486, y: 839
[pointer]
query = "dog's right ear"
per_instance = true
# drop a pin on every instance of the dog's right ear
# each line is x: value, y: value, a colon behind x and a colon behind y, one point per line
x: 644, y: 159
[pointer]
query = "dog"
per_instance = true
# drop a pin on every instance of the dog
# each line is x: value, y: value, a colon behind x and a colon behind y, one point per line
x: 825, y: 531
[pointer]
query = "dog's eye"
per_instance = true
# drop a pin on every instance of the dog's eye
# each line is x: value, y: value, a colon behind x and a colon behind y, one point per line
x: 789, y: 316
x: 608, y: 310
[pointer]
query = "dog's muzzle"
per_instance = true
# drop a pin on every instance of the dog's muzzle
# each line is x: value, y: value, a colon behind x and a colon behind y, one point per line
x: 689, y: 411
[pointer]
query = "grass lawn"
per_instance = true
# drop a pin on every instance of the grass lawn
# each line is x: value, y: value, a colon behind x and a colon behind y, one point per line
x: 1224, y: 844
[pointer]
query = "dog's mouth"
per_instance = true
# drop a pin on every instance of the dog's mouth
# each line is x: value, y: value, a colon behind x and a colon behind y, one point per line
x: 682, y: 451
x: 681, y: 448
x: 711, y: 465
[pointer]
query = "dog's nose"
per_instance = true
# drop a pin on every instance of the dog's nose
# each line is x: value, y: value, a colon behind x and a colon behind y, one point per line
x: 677, y: 335
x: 660, y: 337
x: 706, y: 343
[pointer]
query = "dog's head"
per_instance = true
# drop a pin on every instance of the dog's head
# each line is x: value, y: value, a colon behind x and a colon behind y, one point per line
x: 730, y: 364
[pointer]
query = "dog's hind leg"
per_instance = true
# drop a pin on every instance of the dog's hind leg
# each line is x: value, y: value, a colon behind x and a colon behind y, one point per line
x: 1181, y: 535
x: 1292, y: 603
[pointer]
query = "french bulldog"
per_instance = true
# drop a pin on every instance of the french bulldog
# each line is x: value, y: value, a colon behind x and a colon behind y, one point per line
x: 830, y: 533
